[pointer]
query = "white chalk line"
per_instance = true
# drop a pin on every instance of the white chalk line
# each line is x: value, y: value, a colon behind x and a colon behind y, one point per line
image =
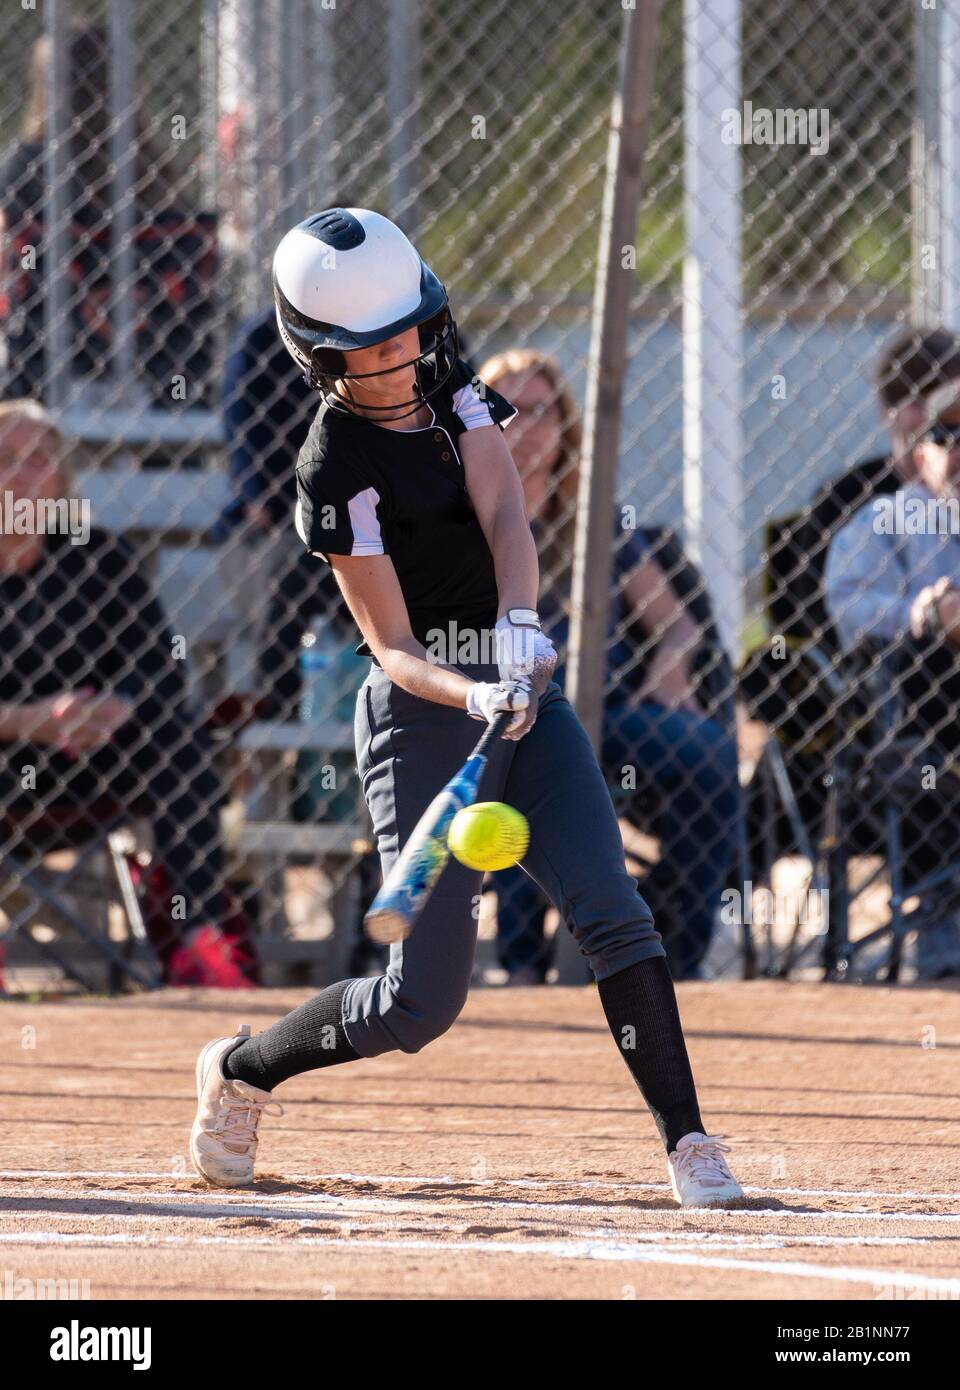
x: 611, y: 1251
x: 533, y: 1184
x: 192, y: 1201
x: 676, y: 1240
x: 315, y: 1206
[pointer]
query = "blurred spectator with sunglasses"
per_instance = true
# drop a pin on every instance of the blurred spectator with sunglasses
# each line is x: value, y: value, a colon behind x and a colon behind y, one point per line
x: 893, y: 576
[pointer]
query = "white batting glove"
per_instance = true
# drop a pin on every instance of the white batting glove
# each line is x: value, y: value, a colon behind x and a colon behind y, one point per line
x: 486, y: 700
x: 515, y: 635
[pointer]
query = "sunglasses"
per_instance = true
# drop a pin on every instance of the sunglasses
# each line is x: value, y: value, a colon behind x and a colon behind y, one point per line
x: 543, y: 410
x: 947, y: 436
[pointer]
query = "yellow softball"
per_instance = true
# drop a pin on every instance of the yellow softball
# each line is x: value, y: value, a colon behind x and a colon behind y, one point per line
x: 488, y: 835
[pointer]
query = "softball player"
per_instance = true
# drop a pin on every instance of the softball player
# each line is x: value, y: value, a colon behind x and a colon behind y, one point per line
x: 407, y: 489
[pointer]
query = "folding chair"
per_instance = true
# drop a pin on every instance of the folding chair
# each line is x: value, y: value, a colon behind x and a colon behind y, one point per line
x: 88, y: 831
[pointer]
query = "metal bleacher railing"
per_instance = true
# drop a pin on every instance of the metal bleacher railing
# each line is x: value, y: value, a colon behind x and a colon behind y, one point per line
x: 795, y: 217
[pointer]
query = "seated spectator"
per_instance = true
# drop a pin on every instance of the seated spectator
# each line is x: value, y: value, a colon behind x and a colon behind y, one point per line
x: 893, y: 575
x: 654, y: 715
x: 93, y: 706
x: 174, y: 248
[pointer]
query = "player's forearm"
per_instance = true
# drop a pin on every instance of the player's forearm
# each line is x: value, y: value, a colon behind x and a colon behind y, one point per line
x: 496, y: 492
x: 407, y: 665
x: 515, y: 560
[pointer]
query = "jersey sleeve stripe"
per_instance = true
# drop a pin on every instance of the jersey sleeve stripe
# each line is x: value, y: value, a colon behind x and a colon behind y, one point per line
x: 367, y: 539
x: 475, y: 411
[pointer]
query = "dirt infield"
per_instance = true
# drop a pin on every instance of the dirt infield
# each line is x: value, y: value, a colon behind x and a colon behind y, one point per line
x: 510, y: 1159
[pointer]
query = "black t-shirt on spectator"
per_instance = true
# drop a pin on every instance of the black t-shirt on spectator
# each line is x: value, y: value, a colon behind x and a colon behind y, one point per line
x: 85, y: 615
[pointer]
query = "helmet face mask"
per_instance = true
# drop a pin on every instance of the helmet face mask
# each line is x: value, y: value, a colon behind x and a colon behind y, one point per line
x: 355, y: 264
x: 439, y: 346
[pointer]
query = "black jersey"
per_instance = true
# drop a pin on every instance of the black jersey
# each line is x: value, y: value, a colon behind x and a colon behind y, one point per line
x: 364, y: 489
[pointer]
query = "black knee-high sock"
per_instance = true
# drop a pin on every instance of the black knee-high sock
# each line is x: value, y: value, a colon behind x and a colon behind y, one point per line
x: 641, y: 1008
x: 311, y: 1036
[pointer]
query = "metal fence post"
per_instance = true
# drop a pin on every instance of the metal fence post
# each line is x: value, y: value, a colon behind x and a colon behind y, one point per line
x: 123, y: 205
x: 590, y: 612
x: 56, y: 208
x: 403, y: 82
x: 949, y: 42
x: 323, y: 112
x: 294, y: 115
x: 925, y: 156
x: 712, y: 320
x: 264, y: 137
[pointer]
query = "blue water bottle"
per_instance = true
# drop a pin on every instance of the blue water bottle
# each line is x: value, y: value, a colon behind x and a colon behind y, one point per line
x: 316, y: 660
x: 330, y: 674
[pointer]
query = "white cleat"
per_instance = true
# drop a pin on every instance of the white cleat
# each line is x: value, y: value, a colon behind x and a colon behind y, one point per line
x: 223, y: 1141
x: 699, y: 1174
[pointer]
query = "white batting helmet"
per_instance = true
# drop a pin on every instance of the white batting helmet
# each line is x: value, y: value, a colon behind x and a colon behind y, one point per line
x: 347, y: 278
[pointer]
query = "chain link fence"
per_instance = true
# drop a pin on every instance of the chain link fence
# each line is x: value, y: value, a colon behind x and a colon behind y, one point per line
x: 177, y: 677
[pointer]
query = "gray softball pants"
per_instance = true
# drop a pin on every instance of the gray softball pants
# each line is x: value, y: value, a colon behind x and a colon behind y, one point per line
x: 407, y: 749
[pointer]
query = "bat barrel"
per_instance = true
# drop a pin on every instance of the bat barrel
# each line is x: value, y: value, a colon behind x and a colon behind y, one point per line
x: 409, y: 883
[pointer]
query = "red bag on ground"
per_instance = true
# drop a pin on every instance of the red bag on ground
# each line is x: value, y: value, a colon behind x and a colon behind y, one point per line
x: 220, y: 955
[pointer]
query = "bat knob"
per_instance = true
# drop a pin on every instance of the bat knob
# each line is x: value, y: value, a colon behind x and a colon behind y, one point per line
x: 385, y: 925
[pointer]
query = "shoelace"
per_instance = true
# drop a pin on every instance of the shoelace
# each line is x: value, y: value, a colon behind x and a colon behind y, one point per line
x: 239, y: 1119
x: 705, y: 1161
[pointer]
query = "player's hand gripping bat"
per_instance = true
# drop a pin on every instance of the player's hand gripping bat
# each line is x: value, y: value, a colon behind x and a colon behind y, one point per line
x: 410, y: 882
